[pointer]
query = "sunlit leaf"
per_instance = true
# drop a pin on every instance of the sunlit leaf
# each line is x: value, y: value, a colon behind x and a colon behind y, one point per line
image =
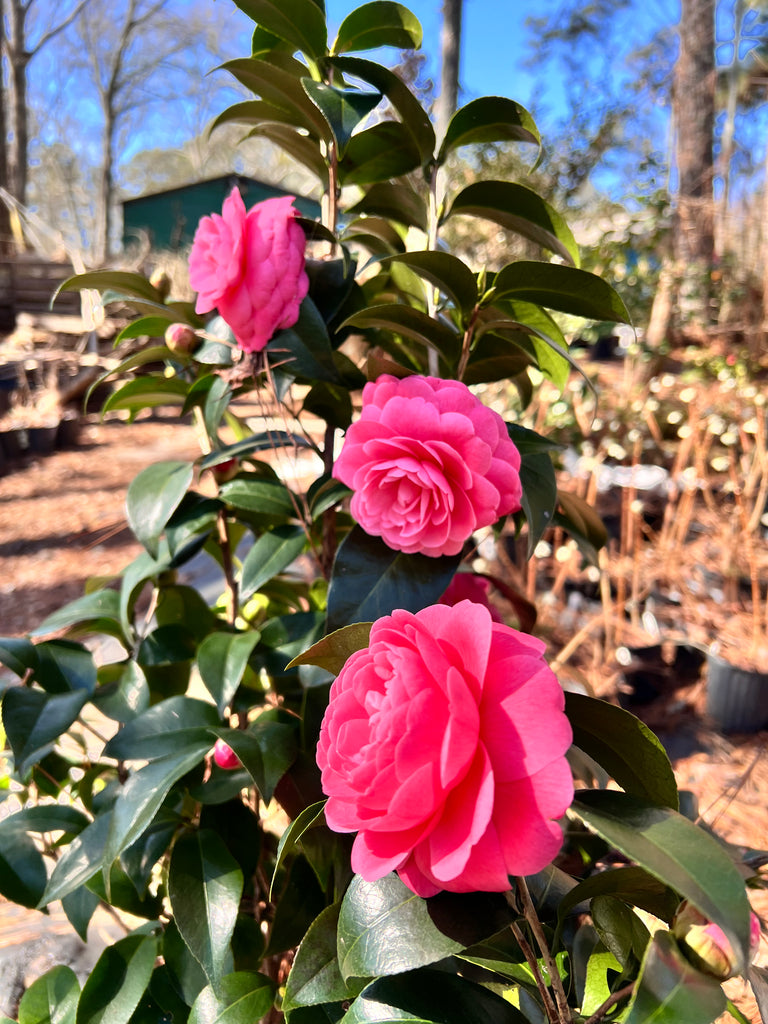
x: 380, y: 23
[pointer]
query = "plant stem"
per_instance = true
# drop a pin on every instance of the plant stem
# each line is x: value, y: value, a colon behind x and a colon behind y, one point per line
x: 228, y: 566
x: 541, y: 940
x: 329, y: 516
x: 432, y: 357
x: 466, y: 344
x: 616, y: 997
x: 533, y: 963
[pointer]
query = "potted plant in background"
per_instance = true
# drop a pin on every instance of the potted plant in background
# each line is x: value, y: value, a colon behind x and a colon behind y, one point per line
x: 336, y: 792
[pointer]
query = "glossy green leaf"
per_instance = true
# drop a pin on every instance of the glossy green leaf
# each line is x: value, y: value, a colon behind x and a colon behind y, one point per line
x: 139, y: 859
x: 269, y: 498
x: 394, y: 200
x: 266, y: 441
x: 301, y: 147
x: 242, y: 998
x: 519, y: 209
x: 79, y: 907
x: 186, y: 974
x: 380, y: 23
x: 34, y: 720
x: 280, y: 85
x: 370, y: 1011
x: 376, y: 234
x: 205, y: 884
x: 254, y: 112
x: 64, y: 665
x: 266, y: 749
x: 410, y: 323
x: 370, y: 579
x: 566, y: 289
x: 620, y: 929
x: 18, y: 655
x: 117, y: 280
x: 100, y: 610
x: 305, y: 348
x: 529, y: 442
x: 676, y: 851
x: 447, y: 272
x: 489, y: 119
x: 385, y: 929
x: 149, y: 327
x: 537, y: 475
x: 343, y: 109
x: 22, y: 869
x: 324, y: 493
x: 222, y: 659
x: 632, y: 884
x: 165, y: 728
x: 433, y: 995
x: 143, y: 793
x: 152, y: 498
x: 597, y: 987
x: 315, y: 977
x: 79, y: 861
x: 412, y: 114
x: 118, y: 981
x: 147, y: 393
x: 292, y: 835
x: 582, y: 521
x: 123, y: 692
x: 123, y: 894
x: 670, y: 991
x: 495, y: 358
x: 333, y: 651
x: 625, y: 747
x: 299, y: 22
x: 216, y: 402
x: 272, y: 553
x: 377, y: 154
x: 51, y: 999
x: 45, y: 818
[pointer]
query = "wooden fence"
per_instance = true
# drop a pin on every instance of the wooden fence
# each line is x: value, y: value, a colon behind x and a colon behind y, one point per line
x: 27, y: 284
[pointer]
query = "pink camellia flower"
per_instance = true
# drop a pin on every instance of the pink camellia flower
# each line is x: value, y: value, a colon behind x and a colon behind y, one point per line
x: 466, y: 586
x: 250, y: 266
x: 429, y: 464
x: 224, y: 756
x: 443, y: 748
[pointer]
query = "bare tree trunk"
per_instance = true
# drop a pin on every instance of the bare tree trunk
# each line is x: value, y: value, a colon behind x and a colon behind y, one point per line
x: 694, y: 103
x: 450, y: 55
x: 726, y: 139
x: 5, y: 182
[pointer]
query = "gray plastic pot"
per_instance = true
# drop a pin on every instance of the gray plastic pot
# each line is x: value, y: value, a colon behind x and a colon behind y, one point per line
x: 737, y: 698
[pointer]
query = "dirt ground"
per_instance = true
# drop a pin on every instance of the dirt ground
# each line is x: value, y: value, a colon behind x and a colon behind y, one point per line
x: 62, y: 522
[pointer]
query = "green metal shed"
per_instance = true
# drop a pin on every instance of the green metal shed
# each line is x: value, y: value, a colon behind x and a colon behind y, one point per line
x: 169, y: 218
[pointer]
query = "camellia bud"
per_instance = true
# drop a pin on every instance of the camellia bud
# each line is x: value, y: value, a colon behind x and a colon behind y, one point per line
x: 181, y: 338
x: 224, y: 471
x: 161, y: 283
x: 706, y: 944
x: 224, y: 756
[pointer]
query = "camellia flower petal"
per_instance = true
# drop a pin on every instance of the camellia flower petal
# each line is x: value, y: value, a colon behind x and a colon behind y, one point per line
x: 468, y: 586
x: 443, y: 748
x: 250, y: 266
x: 429, y: 464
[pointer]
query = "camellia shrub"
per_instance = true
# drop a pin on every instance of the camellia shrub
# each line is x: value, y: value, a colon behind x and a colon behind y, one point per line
x: 351, y: 788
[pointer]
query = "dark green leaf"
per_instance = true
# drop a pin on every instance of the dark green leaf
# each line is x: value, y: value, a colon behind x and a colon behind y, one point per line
x: 34, y: 720
x: 242, y: 998
x: 45, y: 818
x: 299, y: 22
x: 205, y: 884
x: 330, y: 402
x: 446, y: 272
x: 537, y: 475
x: 292, y: 835
x: 528, y: 442
x: 280, y: 85
x: 305, y: 348
x: 63, y: 665
x: 394, y: 200
x: 22, y: 869
x: 165, y: 728
x: 620, y: 929
x: 100, y: 610
x: 216, y: 402
x: 676, y: 851
x: 385, y: 929
x: 267, y: 749
x: 18, y: 655
x: 79, y: 862
x: 324, y: 493
x: 519, y: 209
x: 150, y: 327
x: 332, y: 652
x: 272, y: 553
x: 489, y: 119
x: 369, y: 580
x: 433, y: 995
x: 376, y: 234
x: 625, y: 747
x: 268, y: 498
x: 152, y: 498
x: 147, y: 393
x: 302, y: 148
x: 266, y: 441
x: 410, y: 323
x: 670, y: 991
x: 123, y: 692
x: 140, y: 858
x: 413, y: 116
x: 381, y: 23
x: 254, y: 112
x: 80, y: 906
x: 377, y: 154
x: 632, y: 884
x: 118, y: 981
x: 142, y: 795
x: 497, y: 358
x: 369, y: 1011
x: 222, y: 659
x: 581, y: 520
x: 118, y: 280
x: 51, y: 999
x: 315, y: 977
x: 300, y: 900
x: 343, y: 109
x: 566, y: 289
x: 123, y: 894
x: 185, y: 972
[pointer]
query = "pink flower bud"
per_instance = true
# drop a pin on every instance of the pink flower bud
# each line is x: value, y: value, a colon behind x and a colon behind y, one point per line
x: 161, y: 282
x: 224, y: 471
x: 224, y: 756
x: 250, y: 266
x: 706, y: 944
x: 181, y: 338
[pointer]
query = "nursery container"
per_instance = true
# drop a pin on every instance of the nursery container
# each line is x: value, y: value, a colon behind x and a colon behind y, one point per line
x: 737, y: 698
x: 42, y: 440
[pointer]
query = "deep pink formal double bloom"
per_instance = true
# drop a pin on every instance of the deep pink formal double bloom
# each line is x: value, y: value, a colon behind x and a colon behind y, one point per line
x: 443, y: 748
x: 250, y: 266
x: 429, y: 464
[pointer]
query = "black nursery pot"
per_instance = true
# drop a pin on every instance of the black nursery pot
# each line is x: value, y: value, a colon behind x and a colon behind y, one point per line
x: 737, y: 698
